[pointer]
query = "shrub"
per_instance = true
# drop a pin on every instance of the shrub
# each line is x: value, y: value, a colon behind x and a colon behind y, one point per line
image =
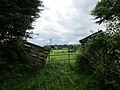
x: 83, y: 63
x: 101, y: 56
x: 13, y: 59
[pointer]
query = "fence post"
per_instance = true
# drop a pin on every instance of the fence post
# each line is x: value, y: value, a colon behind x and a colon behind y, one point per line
x: 69, y: 56
x: 49, y: 57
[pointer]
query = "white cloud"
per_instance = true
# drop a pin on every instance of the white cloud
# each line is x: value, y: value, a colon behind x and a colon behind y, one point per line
x: 65, y: 21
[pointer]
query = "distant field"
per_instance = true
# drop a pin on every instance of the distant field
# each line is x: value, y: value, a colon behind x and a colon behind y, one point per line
x: 62, y: 55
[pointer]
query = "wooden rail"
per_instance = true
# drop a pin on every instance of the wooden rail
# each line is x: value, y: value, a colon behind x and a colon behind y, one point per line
x: 38, y: 54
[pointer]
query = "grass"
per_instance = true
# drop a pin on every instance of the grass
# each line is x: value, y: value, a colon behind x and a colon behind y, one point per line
x: 55, y: 76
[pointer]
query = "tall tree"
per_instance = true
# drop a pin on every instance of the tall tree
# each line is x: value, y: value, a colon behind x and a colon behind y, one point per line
x: 107, y: 59
x: 16, y: 17
x: 107, y: 11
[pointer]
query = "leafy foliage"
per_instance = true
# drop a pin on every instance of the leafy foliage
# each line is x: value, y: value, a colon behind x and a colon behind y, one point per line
x: 13, y: 57
x: 16, y: 18
x: 101, y: 56
x: 107, y: 11
x: 102, y: 52
x: 55, y: 76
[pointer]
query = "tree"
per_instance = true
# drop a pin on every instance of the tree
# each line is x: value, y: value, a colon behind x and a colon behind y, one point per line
x: 16, y: 17
x: 100, y: 57
x: 101, y: 54
x: 104, y: 50
x: 107, y: 11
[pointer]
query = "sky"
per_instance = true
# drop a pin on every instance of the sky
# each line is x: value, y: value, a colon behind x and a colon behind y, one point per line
x: 64, y: 22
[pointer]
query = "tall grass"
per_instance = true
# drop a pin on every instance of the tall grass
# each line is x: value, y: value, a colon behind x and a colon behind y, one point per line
x: 55, y: 76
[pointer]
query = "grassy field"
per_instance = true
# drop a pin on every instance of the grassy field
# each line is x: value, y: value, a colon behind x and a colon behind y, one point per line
x: 55, y: 76
x: 62, y: 55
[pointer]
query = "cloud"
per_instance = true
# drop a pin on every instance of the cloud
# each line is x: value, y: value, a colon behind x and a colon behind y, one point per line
x: 65, y: 21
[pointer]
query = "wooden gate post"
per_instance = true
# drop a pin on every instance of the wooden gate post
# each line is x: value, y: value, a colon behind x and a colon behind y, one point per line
x: 49, y: 57
x: 69, y: 56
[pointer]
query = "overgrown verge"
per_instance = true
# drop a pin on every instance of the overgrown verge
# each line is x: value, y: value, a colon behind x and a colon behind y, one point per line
x: 100, y: 57
x: 15, y: 61
x: 55, y: 76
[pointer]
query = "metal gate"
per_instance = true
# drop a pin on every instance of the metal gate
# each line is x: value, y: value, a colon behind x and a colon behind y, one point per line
x: 62, y: 56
